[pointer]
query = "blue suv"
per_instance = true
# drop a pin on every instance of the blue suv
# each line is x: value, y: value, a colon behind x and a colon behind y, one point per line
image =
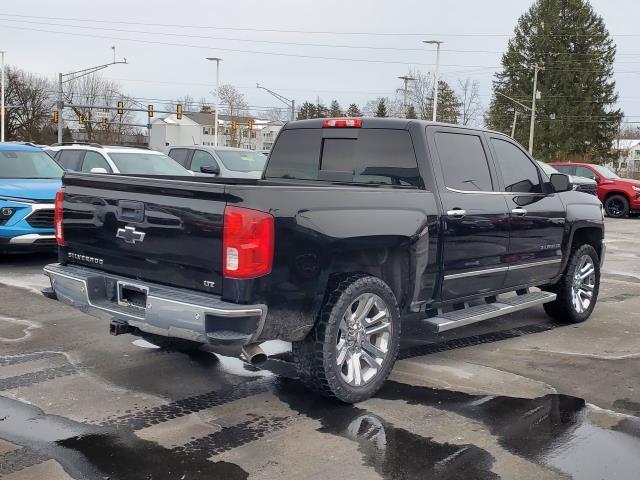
x: 29, y: 180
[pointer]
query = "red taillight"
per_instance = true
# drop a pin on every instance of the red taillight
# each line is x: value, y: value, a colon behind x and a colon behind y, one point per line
x: 342, y: 123
x: 247, y: 243
x: 57, y: 218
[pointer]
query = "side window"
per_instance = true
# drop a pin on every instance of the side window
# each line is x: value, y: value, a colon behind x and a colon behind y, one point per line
x: 94, y: 160
x: 518, y: 171
x: 585, y: 172
x: 180, y: 155
x: 567, y: 169
x: 70, y: 159
x: 464, y: 162
x: 202, y: 159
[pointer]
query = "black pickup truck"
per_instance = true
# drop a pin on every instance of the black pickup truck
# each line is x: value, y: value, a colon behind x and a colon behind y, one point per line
x: 358, y: 230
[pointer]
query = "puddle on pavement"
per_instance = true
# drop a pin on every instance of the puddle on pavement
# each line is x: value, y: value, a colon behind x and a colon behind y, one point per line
x: 11, y: 329
x: 554, y: 430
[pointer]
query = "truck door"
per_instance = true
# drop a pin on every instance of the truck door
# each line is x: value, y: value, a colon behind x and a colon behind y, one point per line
x: 537, y: 219
x: 475, y: 216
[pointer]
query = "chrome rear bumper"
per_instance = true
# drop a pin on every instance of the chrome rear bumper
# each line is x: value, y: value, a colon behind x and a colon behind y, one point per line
x: 170, y: 312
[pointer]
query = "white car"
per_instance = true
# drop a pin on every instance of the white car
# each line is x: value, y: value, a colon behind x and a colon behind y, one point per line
x: 225, y: 162
x: 96, y: 158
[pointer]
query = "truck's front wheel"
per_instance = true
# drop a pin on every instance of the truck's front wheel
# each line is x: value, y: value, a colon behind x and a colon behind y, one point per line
x: 354, y: 343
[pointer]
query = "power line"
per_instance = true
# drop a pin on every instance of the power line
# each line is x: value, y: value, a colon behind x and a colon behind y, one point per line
x: 321, y: 32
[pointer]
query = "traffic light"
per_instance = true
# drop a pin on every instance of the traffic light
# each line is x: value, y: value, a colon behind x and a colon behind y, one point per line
x: 150, y: 110
x: 56, y: 117
x: 104, y: 120
x: 250, y: 124
x: 179, y: 112
x: 234, y: 125
x: 120, y: 107
x: 81, y: 119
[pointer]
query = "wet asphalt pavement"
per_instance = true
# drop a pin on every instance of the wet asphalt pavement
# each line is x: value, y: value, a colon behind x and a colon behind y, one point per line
x: 515, y: 397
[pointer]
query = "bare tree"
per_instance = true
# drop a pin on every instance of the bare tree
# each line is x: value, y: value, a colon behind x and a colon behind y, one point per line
x: 393, y: 107
x: 234, y: 105
x: 31, y: 105
x: 471, y: 107
x: 87, y: 95
x: 188, y: 104
x: 421, y: 94
x: 277, y: 114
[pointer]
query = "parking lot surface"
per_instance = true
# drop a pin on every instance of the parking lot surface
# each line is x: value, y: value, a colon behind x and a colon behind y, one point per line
x: 515, y: 397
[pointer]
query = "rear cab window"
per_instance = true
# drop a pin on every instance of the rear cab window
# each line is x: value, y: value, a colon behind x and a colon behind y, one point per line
x: 364, y: 156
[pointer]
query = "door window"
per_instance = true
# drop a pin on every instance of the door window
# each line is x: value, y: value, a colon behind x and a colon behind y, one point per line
x: 585, y: 172
x: 202, y: 159
x: 464, y: 162
x: 70, y: 159
x: 518, y: 171
x: 180, y: 155
x: 94, y: 160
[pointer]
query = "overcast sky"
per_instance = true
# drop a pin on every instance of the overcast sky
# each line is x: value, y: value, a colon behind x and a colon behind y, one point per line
x: 160, y: 71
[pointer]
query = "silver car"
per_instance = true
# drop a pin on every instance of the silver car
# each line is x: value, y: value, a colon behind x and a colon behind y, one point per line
x: 220, y: 161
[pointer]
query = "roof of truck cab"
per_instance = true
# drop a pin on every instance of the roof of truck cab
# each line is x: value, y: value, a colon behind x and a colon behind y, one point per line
x: 386, y: 122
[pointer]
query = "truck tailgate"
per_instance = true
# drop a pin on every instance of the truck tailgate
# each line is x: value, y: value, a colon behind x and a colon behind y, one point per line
x: 146, y: 228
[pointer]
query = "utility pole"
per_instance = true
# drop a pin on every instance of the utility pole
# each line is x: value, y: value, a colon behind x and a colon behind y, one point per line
x: 515, y: 119
x: 406, y: 80
x: 286, y: 101
x: 435, y: 75
x: 73, y: 76
x: 2, y: 106
x: 533, y: 107
x: 215, y: 115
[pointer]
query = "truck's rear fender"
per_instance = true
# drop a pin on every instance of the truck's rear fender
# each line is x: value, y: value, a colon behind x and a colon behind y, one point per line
x: 383, y: 232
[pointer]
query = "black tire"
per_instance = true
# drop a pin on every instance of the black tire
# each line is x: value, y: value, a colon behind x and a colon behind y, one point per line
x: 315, y: 356
x: 616, y: 206
x: 563, y: 309
x: 171, y: 344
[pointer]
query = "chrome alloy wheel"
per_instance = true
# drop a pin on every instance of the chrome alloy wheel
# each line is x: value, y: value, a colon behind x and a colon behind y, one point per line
x: 363, y: 339
x: 584, y: 282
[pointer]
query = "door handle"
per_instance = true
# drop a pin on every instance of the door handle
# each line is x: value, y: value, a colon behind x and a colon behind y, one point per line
x: 520, y: 212
x: 456, y: 213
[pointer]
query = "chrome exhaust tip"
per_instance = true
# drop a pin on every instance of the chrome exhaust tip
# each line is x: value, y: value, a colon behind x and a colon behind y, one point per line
x: 253, y: 354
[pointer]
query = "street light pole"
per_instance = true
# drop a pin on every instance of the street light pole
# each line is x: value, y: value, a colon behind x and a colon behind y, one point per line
x: 73, y: 76
x: 406, y: 79
x: 435, y: 75
x: 533, y: 107
x: 284, y: 100
x: 513, y: 127
x: 215, y: 115
x: 2, y: 98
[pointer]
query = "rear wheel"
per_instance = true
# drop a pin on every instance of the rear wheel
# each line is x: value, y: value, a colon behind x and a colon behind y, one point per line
x: 354, y: 343
x: 617, y: 206
x: 578, y: 288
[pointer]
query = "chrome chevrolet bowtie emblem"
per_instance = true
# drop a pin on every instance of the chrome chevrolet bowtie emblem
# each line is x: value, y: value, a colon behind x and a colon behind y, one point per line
x: 130, y: 235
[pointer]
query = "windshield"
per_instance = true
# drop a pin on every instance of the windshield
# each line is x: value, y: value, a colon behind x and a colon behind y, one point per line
x: 605, y: 172
x: 548, y: 169
x: 242, y: 160
x: 28, y: 164
x: 141, y: 163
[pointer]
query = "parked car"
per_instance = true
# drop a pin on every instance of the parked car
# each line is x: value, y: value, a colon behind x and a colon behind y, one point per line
x: 358, y: 230
x: 620, y: 196
x: 96, y: 158
x: 29, y: 180
x: 580, y: 184
x: 220, y: 161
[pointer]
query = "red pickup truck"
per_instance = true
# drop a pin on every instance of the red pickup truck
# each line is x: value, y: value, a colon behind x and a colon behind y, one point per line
x: 620, y: 196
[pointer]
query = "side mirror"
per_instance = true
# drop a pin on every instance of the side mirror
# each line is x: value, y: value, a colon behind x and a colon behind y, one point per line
x: 560, y: 182
x: 98, y: 170
x: 210, y: 169
x: 597, y: 179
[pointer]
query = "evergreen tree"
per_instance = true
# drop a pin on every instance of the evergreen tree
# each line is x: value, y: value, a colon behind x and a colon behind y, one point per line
x: 353, y: 111
x: 381, y: 111
x: 411, y: 112
x: 448, y: 104
x: 307, y: 110
x: 335, y: 110
x: 576, y: 114
x: 321, y: 110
